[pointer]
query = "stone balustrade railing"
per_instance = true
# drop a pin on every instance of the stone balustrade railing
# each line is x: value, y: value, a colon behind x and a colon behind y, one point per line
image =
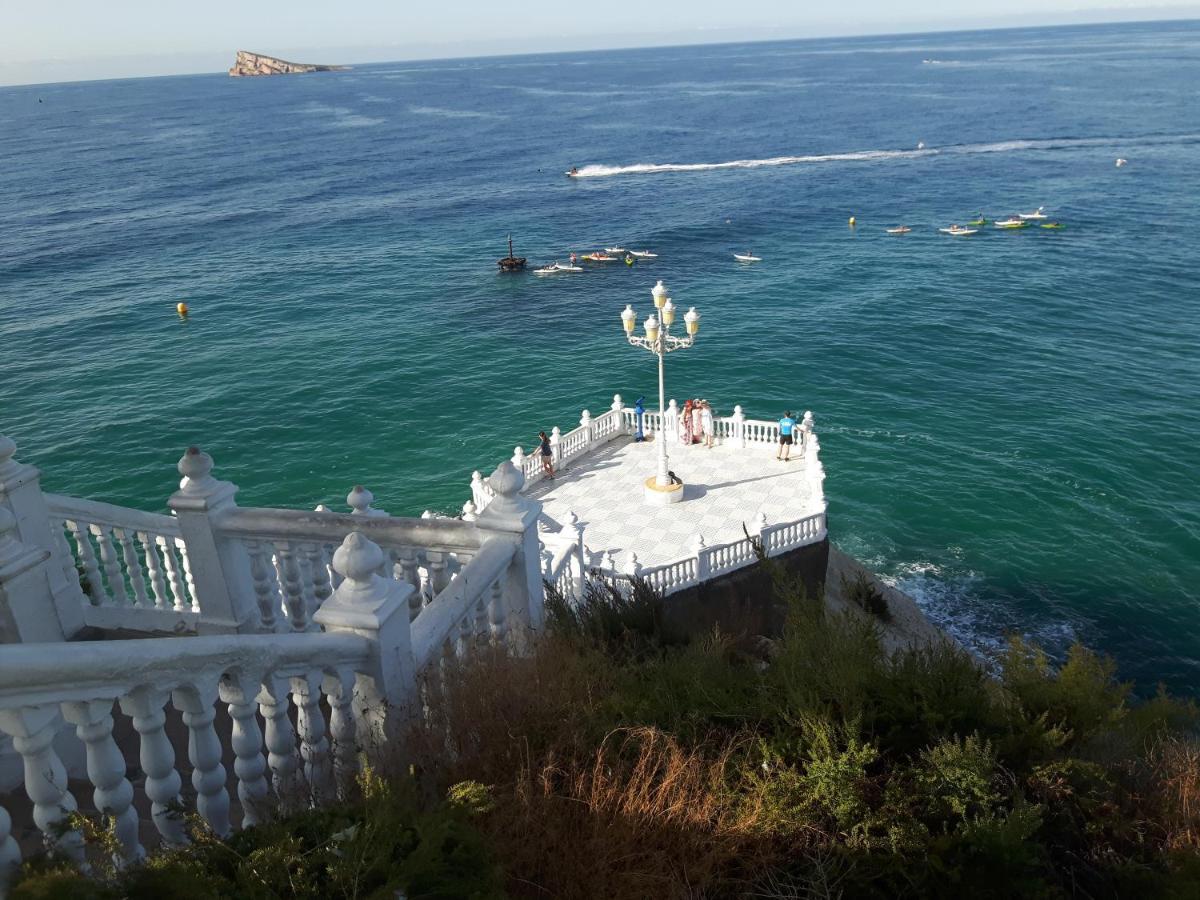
x: 372, y: 654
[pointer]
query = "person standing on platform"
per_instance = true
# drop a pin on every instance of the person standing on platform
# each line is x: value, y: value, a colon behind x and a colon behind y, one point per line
x: 706, y: 423
x: 685, y: 425
x: 786, y: 426
x: 697, y: 420
x: 639, y: 414
x: 547, y: 453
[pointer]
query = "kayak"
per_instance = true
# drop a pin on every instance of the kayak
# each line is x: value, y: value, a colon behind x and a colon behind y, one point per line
x: 599, y: 257
x: 617, y: 250
x: 1012, y: 223
x: 903, y: 229
x: 979, y: 221
x: 1036, y: 214
x: 1053, y: 225
x: 959, y: 232
x: 746, y: 257
x: 643, y: 254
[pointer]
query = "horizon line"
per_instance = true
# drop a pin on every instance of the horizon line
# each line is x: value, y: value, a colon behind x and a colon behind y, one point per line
x: 914, y: 32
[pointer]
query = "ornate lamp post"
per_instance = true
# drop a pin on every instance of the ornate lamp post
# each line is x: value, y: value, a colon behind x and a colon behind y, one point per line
x: 660, y: 488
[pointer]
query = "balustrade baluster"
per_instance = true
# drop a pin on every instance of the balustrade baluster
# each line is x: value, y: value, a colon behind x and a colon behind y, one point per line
x: 499, y: 624
x: 264, y: 589
x: 322, y: 589
x: 479, y: 628
x: 157, y: 758
x: 438, y: 579
x: 87, y: 558
x: 178, y: 588
x: 33, y: 729
x: 10, y: 853
x: 197, y: 704
x: 112, y: 565
x: 66, y: 557
x: 113, y: 794
x: 247, y: 741
x: 158, y: 582
x: 185, y: 563
x: 339, y: 689
x: 310, y: 724
x: 281, y: 741
x: 133, y: 566
x: 293, y: 593
x: 463, y: 637
x: 408, y: 569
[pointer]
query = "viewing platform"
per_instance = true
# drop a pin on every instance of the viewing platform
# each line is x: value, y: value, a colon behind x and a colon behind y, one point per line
x: 234, y: 659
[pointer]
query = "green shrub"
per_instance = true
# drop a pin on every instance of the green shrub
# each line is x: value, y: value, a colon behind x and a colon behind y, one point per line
x: 627, y: 619
x: 863, y: 593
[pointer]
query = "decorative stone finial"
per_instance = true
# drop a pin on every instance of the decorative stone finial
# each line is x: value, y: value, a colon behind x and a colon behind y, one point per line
x: 518, y: 456
x: 321, y: 507
x: 617, y: 403
x: 196, y: 468
x: 469, y: 511
x: 760, y: 522
x: 358, y: 559
x: 555, y: 435
x: 808, y: 418
x: 698, y: 544
x: 585, y: 419
x: 672, y: 406
x: 632, y: 566
x: 737, y: 411
x: 428, y: 514
x: 360, y: 500
x: 507, y: 480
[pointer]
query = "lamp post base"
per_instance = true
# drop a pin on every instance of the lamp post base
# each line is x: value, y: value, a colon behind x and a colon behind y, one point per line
x: 662, y: 495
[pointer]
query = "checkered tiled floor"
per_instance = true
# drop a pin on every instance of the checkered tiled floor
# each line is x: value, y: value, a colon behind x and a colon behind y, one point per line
x: 723, y: 487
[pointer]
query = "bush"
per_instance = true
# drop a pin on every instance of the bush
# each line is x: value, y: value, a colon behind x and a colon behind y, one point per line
x: 863, y: 593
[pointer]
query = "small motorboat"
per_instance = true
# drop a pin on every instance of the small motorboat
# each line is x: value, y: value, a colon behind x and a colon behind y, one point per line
x: 747, y: 257
x: 616, y: 251
x: 1014, y: 222
x: 643, y: 254
x: 573, y: 172
x: 1036, y: 214
x: 1053, y: 225
x: 556, y: 267
x: 598, y: 257
x: 958, y: 230
x: 1121, y: 161
x: 903, y: 229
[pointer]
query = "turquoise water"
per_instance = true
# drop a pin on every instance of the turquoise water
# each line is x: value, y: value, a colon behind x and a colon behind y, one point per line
x: 1009, y: 420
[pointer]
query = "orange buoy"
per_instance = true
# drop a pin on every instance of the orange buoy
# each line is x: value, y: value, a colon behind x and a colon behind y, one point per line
x: 182, y: 309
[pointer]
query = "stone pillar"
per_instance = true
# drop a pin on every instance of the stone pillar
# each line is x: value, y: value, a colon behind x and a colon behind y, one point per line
x: 515, y: 517
x: 555, y: 440
x: 359, y: 500
x: 585, y: 421
x: 671, y: 421
x: 618, y: 404
x: 701, y: 551
x: 376, y: 608
x: 21, y: 494
x: 739, y: 427
x: 26, y: 601
x: 219, y: 567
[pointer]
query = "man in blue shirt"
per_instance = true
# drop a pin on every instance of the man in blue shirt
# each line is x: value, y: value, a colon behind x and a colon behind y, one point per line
x: 786, y: 425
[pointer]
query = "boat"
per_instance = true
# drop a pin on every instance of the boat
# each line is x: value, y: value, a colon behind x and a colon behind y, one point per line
x: 1036, y: 214
x: 643, y: 254
x: 555, y: 267
x: 598, y: 257
x: 573, y: 172
x: 1121, y: 161
x: 1053, y: 225
x: 511, y: 263
x: 958, y: 230
x: 614, y: 250
x: 978, y: 221
x: 903, y: 229
x: 1014, y: 222
x: 747, y: 257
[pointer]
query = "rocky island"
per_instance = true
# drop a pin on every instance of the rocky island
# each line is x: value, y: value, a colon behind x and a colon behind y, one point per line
x: 248, y: 63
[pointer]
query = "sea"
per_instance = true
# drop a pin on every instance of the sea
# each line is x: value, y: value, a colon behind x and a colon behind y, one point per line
x: 1009, y: 420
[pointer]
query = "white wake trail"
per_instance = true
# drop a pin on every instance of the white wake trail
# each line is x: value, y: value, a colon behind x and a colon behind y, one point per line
x: 1012, y: 146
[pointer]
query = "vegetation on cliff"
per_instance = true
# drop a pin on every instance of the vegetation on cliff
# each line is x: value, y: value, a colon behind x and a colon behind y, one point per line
x: 620, y: 760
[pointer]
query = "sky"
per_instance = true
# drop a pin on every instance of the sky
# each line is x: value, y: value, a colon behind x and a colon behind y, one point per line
x: 71, y: 40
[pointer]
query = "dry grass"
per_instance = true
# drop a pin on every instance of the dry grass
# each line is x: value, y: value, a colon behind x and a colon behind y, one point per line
x: 1177, y: 767
x: 641, y: 817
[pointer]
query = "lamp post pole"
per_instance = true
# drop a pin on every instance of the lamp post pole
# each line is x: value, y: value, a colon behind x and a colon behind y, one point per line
x: 660, y: 342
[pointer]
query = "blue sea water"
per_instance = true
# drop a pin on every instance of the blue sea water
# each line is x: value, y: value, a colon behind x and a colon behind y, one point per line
x: 1010, y: 421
